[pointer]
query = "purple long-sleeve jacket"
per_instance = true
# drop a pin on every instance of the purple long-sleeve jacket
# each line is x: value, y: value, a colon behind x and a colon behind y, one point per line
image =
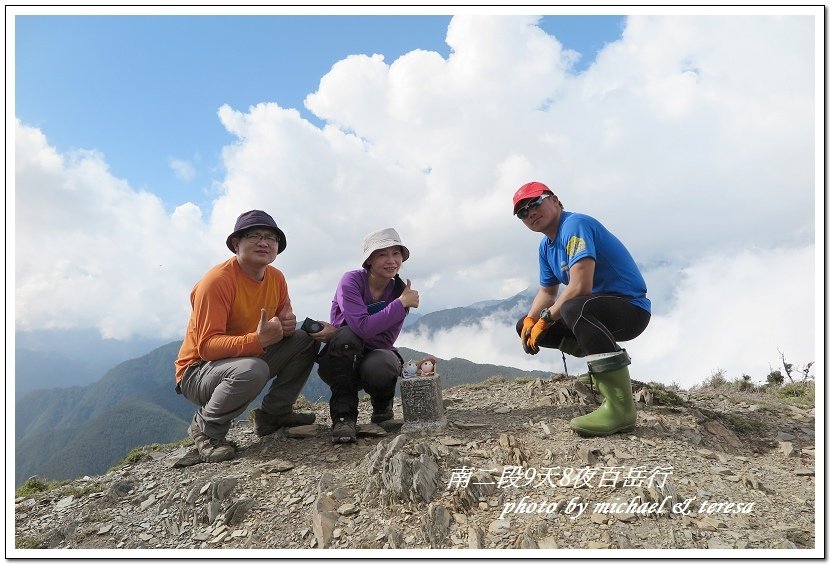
x: 350, y: 306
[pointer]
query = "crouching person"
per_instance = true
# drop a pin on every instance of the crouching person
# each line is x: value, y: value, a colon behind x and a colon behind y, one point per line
x: 367, y: 314
x: 603, y: 302
x: 241, y: 334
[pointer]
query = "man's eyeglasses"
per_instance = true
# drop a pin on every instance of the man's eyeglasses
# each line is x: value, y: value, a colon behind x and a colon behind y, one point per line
x: 270, y: 238
x: 524, y: 210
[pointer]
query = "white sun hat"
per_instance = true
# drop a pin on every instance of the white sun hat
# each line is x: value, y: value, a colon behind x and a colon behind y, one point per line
x: 381, y: 240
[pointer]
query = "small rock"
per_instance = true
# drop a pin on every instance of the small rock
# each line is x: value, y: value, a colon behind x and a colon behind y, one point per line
x: 450, y: 441
x: 786, y: 448
x: 222, y: 488
x: 783, y: 437
x: 301, y: 431
x: 548, y: 542
x: 502, y: 410
x: 465, y: 425
x: 275, y: 466
x: 65, y: 502
x: 347, y: 509
x: 147, y: 503
x: 371, y: 430
x: 499, y: 527
x: 708, y: 524
x: 588, y: 455
x: 474, y: 538
x: 323, y: 526
x: 717, y: 429
x: 716, y: 543
x: 189, y: 458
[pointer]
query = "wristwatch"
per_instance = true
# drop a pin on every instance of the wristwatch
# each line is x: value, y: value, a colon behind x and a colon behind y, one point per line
x: 545, y: 316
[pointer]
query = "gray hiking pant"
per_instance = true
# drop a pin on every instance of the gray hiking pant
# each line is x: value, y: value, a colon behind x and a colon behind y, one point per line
x: 224, y: 388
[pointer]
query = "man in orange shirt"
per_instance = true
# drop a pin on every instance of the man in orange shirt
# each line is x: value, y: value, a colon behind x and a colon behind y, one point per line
x: 242, y: 333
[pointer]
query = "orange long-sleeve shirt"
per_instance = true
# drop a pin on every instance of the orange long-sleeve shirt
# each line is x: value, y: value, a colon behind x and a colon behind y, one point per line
x: 226, y: 312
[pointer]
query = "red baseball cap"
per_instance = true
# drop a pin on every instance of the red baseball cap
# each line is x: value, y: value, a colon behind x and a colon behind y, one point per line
x: 529, y: 191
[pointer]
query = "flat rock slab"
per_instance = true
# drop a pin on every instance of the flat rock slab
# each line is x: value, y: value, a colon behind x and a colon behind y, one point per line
x: 465, y: 425
x: 275, y: 466
x: 190, y: 458
x: 370, y: 430
x: 391, y: 424
x: 302, y: 432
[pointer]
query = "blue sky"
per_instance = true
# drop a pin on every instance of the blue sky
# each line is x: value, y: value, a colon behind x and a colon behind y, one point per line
x: 138, y: 140
x: 144, y: 90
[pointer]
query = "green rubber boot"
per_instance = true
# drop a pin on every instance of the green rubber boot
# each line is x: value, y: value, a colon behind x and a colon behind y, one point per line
x: 587, y: 380
x: 617, y: 412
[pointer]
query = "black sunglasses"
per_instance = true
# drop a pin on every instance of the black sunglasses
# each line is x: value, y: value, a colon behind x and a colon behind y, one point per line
x: 524, y: 210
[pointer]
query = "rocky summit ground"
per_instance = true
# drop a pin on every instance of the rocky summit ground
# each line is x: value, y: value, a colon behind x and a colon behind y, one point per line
x: 704, y: 469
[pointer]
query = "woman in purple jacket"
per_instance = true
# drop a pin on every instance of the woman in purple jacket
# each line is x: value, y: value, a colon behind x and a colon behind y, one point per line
x: 367, y: 314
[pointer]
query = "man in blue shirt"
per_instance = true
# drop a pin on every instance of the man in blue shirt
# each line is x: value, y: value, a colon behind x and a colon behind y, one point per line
x: 603, y: 301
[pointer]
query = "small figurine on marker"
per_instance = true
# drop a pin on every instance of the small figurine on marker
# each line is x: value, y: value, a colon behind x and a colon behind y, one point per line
x: 427, y: 366
x: 410, y: 369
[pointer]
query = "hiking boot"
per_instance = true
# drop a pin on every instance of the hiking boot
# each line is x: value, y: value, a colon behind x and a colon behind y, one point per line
x: 265, y: 423
x: 344, y: 431
x: 617, y: 413
x: 210, y: 449
x: 382, y: 413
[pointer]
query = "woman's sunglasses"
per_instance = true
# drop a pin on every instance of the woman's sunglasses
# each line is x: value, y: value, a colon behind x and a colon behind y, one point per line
x: 524, y: 210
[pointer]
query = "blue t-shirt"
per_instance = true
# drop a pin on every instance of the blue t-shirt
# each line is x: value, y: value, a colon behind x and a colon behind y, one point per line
x: 580, y: 236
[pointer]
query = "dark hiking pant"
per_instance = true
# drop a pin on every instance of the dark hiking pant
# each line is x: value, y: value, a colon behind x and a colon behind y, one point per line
x: 597, y: 322
x: 347, y: 366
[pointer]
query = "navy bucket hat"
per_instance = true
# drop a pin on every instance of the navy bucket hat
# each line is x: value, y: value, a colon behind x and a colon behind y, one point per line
x: 255, y: 218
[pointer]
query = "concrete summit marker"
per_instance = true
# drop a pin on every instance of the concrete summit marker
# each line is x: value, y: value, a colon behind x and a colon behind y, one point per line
x: 423, y: 406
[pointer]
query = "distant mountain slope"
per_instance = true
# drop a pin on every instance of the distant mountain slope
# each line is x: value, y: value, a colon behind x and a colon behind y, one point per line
x: 61, y: 358
x: 510, y: 309
x: 97, y: 444
x: 149, y: 376
x: 36, y: 370
x: 61, y: 433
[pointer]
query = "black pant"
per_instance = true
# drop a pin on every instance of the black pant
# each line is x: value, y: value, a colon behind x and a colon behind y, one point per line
x: 597, y: 322
x: 347, y: 366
